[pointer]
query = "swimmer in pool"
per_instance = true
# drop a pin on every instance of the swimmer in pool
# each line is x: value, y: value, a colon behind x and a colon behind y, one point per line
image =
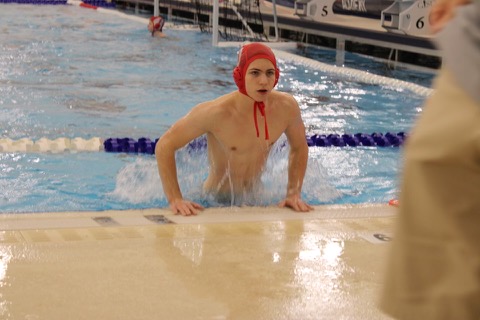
x: 241, y: 128
x: 155, y: 26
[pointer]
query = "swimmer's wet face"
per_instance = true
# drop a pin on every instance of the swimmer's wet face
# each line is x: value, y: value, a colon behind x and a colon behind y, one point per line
x: 248, y: 54
x: 260, y: 79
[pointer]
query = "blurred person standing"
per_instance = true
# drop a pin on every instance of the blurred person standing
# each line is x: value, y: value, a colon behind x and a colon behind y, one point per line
x: 433, y: 271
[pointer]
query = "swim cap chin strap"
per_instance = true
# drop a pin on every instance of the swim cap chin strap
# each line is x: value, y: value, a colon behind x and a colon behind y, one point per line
x: 261, y: 106
x: 249, y: 53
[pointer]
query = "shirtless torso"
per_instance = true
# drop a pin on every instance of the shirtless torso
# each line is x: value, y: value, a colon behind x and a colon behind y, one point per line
x: 236, y: 155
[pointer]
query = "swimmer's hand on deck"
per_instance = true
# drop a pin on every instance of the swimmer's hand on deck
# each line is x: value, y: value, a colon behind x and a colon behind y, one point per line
x: 185, y: 207
x: 296, y: 203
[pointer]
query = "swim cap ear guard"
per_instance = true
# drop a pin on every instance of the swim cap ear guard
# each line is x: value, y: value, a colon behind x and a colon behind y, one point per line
x: 247, y: 54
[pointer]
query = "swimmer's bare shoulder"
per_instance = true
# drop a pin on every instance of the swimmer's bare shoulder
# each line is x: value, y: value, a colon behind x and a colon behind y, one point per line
x: 212, y: 111
x: 284, y: 98
x: 284, y: 104
x: 202, y: 118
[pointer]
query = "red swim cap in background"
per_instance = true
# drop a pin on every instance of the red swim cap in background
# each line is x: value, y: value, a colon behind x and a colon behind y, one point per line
x: 157, y: 23
x: 247, y: 54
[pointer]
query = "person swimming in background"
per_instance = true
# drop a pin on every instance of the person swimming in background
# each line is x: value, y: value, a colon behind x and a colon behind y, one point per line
x: 237, y: 152
x: 155, y: 26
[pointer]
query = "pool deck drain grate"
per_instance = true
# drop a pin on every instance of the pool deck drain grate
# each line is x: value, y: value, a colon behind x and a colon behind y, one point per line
x: 158, y: 218
x: 105, y: 221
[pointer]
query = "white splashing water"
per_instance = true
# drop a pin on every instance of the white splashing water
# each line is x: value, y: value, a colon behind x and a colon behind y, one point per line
x: 139, y: 182
x: 316, y: 187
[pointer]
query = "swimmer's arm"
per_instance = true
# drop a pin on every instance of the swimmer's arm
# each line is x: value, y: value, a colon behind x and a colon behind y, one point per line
x: 297, y: 165
x: 183, y: 131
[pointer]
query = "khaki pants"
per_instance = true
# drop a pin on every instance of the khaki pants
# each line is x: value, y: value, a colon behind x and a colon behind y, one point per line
x: 433, y: 270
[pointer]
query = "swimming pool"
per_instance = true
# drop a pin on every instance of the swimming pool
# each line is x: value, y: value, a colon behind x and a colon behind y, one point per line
x: 71, y: 72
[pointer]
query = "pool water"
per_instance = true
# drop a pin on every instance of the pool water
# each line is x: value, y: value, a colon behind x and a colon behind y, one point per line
x: 420, y: 76
x: 71, y: 72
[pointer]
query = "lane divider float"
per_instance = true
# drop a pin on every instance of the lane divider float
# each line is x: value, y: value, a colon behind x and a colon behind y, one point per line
x: 58, y: 145
x: 147, y: 145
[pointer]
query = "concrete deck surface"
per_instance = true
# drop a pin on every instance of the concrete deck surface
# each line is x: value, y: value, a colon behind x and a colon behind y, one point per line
x: 226, y: 263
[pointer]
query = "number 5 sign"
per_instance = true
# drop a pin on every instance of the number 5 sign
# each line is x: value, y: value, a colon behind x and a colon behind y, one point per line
x: 317, y: 10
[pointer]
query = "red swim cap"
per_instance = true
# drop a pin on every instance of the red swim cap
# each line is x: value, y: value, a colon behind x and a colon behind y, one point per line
x: 247, y: 54
x: 158, y: 23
